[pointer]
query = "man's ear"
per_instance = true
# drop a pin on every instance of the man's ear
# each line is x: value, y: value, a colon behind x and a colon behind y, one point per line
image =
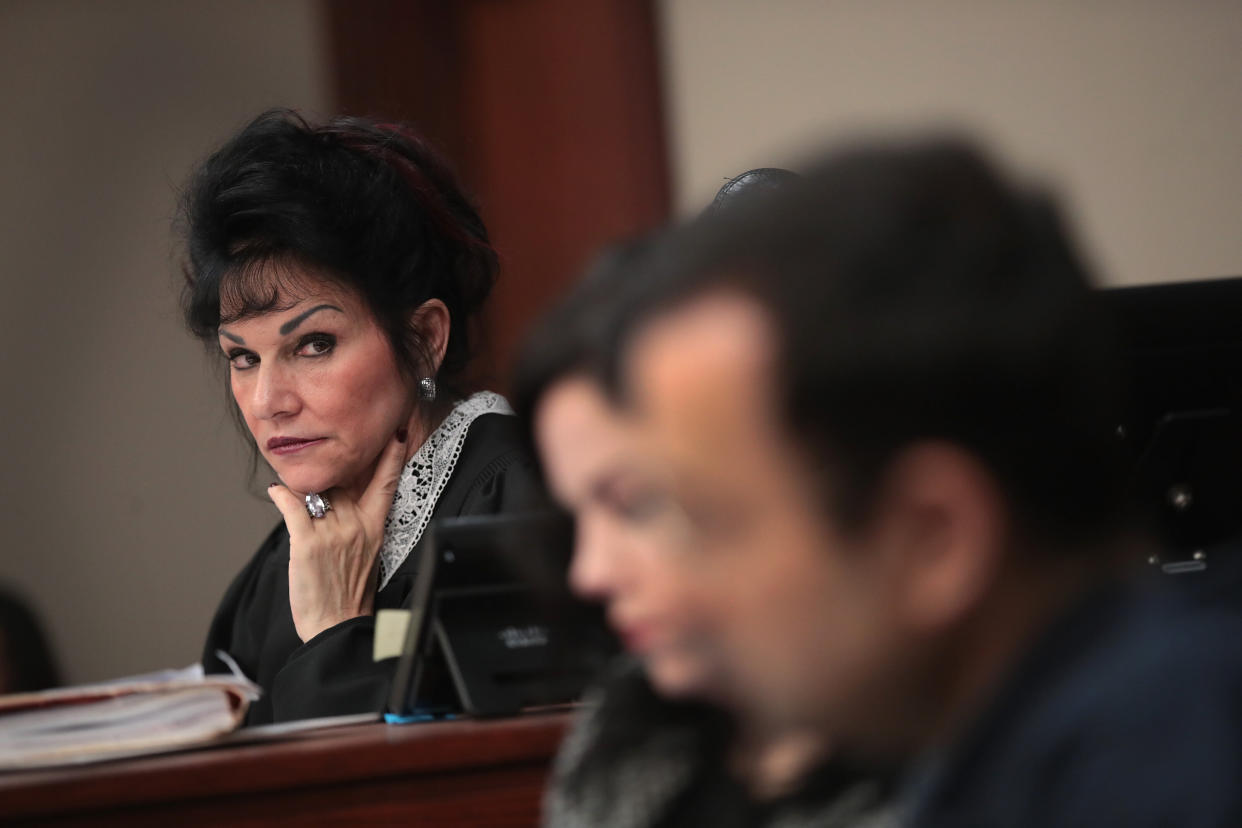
x: 431, y: 319
x: 944, y: 520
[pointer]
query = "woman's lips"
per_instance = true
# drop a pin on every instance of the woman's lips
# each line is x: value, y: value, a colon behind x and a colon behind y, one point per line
x: 636, y: 638
x: 633, y: 641
x: 290, y: 445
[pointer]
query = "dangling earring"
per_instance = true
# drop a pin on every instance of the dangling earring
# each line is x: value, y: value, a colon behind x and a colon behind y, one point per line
x: 427, y: 389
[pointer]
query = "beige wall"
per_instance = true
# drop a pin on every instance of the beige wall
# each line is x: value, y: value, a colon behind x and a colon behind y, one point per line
x: 123, y: 511
x: 122, y: 502
x: 1133, y: 107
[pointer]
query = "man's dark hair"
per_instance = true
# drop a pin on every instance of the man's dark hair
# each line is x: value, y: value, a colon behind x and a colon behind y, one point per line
x: 578, y: 335
x: 919, y: 295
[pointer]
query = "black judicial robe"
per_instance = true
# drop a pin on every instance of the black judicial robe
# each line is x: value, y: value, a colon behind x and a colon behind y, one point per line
x: 334, y: 673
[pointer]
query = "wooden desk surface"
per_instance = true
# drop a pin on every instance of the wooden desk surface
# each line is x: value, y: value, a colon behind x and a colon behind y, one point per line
x: 445, y: 773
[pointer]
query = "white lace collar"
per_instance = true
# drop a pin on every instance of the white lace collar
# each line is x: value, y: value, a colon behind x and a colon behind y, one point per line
x: 425, y: 477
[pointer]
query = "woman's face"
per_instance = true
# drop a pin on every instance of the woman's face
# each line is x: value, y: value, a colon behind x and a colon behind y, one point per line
x: 629, y: 550
x: 318, y: 385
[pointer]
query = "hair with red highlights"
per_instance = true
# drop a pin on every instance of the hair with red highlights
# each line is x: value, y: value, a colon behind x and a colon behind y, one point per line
x: 424, y: 171
x: 369, y: 205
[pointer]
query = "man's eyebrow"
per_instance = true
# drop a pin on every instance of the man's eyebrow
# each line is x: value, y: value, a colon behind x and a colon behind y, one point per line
x: 231, y: 336
x: 301, y: 317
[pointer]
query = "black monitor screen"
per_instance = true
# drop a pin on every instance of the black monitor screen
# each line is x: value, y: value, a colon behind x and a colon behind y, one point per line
x: 494, y: 629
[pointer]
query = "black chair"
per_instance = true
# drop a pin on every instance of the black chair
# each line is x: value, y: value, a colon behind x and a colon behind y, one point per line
x: 1184, y: 427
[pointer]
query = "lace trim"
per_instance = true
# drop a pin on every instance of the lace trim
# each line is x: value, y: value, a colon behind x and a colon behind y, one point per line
x: 425, y: 477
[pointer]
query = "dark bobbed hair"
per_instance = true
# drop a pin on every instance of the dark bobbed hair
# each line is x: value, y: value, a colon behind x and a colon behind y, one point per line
x: 367, y: 205
x: 917, y: 294
x: 576, y: 336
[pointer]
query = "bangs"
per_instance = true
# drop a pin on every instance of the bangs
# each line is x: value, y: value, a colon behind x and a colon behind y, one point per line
x: 264, y: 283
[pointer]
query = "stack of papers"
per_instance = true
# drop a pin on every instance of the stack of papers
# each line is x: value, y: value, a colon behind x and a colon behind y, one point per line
x: 144, y: 714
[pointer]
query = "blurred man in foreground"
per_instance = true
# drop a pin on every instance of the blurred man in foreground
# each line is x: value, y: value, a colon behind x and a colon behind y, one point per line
x: 883, y: 400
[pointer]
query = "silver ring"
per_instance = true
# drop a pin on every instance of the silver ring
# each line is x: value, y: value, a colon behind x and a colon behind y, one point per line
x: 317, y: 505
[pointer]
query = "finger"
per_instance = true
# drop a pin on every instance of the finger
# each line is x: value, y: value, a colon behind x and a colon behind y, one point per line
x: 292, y: 508
x: 377, y: 499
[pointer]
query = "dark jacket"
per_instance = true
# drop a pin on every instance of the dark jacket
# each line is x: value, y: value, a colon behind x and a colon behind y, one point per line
x: 634, y: 760
x: 1128, y: 711
x: 333, y: 673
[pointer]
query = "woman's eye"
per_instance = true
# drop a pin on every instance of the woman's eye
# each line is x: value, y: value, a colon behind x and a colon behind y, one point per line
x: 711, y: 517
x: 241, y: 360
x: 641, y: 505
x: 316, y: 345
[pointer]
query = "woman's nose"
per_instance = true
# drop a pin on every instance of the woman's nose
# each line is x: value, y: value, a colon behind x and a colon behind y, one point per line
x: 595, y: 571
x: 274, y: 393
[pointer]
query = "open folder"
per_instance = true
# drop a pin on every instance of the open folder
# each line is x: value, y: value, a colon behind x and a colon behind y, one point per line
x: 138, y: 715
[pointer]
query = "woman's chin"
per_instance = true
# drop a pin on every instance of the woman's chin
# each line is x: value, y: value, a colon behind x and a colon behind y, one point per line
x: 304, y: 484
x: 674, y: 678
x: 306, y: 476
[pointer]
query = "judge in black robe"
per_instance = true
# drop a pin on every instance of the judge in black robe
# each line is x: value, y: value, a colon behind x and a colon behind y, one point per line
x: 334, y: 673
x: 338, y: 270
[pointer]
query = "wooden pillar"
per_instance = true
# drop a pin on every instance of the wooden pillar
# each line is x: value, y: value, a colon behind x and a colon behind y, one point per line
x: 551, y: 110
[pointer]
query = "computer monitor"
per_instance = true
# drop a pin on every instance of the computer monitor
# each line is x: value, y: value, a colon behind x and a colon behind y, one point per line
x: 493, y: 627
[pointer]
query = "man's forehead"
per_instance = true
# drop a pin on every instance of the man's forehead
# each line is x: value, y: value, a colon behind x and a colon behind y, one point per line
x: 704, y: 367
x: 721, y: 337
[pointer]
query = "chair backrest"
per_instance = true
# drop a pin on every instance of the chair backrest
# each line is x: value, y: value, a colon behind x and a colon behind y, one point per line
x: 1184, y: 346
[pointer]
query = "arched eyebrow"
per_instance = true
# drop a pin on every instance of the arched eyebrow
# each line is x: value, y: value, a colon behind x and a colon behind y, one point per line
x: 231, y: 336
x: 301, y: 317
